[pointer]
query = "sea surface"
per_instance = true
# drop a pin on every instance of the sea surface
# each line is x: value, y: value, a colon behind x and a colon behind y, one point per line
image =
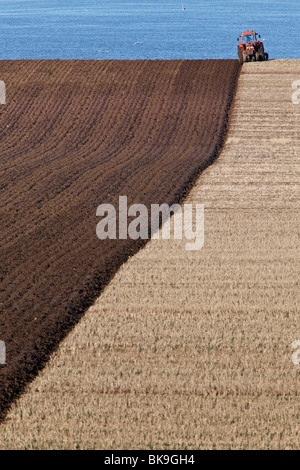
x: 147, y: 29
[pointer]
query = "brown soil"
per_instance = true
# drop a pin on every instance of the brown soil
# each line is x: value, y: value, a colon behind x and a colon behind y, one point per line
x: 73, y: 135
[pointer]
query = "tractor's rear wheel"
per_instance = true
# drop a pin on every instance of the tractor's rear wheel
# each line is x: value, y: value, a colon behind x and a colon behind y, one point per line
x: 266, y: 56
x: 240, y: 54
x: 257, y: 56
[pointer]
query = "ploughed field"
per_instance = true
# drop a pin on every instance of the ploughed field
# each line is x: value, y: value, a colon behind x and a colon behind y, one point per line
x: 76, y: 134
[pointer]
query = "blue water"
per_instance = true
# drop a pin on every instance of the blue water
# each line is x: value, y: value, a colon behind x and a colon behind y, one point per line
x: 148, y: 29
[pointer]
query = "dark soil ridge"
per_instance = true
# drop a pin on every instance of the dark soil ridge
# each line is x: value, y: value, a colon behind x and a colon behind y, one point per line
x: 75, y: 134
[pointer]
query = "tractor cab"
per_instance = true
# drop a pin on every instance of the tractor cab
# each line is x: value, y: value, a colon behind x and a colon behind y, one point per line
x: 250, y: 47
x: 248, y: 37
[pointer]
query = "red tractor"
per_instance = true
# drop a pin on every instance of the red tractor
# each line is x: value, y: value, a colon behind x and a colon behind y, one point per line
x: 250, y: 48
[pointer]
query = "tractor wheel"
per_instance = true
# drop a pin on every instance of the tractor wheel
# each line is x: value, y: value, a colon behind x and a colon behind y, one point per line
x: 240, y: 55
x: 266, y: 56
x: 257, y: 56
